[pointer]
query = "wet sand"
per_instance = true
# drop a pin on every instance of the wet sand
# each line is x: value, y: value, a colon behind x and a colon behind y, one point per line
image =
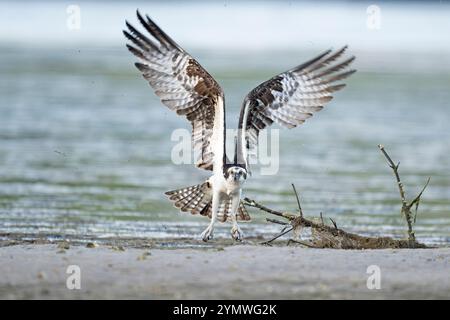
x: 154, y: 270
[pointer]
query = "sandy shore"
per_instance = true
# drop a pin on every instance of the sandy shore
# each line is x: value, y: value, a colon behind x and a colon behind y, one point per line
x: 237, y: 271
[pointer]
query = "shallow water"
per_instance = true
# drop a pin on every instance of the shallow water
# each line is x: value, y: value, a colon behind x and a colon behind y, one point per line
x: 85, y: 145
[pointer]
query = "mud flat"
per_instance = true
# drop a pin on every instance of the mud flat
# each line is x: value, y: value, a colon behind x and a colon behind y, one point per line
x: 219, y: 271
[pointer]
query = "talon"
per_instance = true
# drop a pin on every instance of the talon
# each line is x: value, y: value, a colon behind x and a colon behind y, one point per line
x: 207, y: 234
x: 236, y: 233
x: 206, y: 238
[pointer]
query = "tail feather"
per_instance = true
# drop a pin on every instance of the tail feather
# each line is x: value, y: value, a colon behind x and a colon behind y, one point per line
x: 198, y: 200
x: 193, y: 198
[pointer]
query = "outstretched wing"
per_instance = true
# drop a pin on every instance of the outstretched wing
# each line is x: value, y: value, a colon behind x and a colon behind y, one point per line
x: 183, y: 86
x: 289, y: 98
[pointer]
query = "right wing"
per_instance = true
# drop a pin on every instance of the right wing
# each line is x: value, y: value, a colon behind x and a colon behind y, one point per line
x: 183, y: 86
x: 289, y: 98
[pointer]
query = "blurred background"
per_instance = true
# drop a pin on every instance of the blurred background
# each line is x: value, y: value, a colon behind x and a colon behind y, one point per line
x: 85, y: 145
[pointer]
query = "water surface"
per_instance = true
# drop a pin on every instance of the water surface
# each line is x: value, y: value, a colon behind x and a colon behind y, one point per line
x: 85, y: 145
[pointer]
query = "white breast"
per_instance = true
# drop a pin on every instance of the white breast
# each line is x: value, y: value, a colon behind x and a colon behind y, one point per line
x: 217, y: 139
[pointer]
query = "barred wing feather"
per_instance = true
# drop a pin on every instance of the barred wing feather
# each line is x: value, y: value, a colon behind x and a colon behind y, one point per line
x: 290, y: 98
x: 183, y: 85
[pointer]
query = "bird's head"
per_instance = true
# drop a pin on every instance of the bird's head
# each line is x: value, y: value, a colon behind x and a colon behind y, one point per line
x: 236, y: 174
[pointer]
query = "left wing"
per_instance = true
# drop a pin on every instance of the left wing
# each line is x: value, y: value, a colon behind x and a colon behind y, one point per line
x: 184, y: 86
x: 289, y: 98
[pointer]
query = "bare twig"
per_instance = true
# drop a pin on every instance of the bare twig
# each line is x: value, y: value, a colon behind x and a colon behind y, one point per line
x: 252, y: 203
x: 334, y: 223
x: 276, y: 221
x: 406, y: 207
x: 298, y: 201
x: 303, y: 243
x: 394, y: 167
x: 416, y: 200
x: 277, y: 236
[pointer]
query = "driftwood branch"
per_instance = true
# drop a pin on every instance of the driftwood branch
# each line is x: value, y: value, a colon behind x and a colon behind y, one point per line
x: 326, y: 236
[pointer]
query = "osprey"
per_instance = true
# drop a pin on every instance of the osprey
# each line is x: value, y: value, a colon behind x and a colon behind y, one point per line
x: 187, y: 88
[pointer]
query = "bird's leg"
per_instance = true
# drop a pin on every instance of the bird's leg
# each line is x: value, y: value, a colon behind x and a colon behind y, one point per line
x: 208, y: 233
x: 236, y: 232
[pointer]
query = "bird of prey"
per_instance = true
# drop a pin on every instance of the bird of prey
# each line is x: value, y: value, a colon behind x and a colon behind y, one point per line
x: 185, y: 87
